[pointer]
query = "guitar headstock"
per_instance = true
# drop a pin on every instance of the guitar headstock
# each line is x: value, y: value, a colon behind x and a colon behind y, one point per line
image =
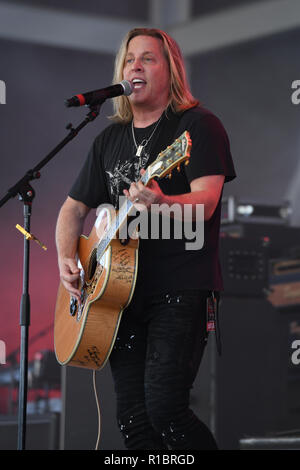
x: 170, y: 158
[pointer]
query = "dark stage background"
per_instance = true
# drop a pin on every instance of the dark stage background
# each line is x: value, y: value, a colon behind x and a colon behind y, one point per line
x: 248, y: 85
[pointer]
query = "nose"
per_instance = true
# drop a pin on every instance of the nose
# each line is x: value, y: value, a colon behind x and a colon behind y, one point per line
x: 137, y: 65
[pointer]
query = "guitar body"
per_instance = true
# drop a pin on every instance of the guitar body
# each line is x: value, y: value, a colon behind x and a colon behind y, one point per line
x: 84, y: 334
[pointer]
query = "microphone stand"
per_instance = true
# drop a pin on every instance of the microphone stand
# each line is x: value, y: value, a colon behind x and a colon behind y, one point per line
x: 26, y: 194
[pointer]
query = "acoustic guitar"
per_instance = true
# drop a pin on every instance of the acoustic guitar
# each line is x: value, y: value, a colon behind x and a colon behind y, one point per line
x: 85, y: 332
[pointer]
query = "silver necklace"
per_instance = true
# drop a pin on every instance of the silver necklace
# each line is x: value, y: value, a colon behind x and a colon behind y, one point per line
x: 144, y: 143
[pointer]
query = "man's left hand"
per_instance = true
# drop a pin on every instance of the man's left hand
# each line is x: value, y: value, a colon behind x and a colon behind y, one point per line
x: 144, y: 196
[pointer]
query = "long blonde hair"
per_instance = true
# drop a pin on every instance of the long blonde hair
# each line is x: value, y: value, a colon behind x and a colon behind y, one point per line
x: 181, y: 97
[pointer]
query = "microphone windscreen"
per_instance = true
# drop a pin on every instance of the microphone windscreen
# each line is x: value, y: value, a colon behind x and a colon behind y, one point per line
x: 127, y: 87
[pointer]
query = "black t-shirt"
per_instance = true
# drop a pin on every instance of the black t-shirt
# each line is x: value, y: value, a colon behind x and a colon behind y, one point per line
x: 164, y: 264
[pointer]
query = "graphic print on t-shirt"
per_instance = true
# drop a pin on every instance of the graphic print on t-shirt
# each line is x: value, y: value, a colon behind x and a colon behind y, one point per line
x: 123, y: 174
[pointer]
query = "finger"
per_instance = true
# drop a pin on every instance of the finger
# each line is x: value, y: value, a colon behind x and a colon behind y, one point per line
x: 132, y: 187
x: 133, y: 195
x: 72, y: 290
x: 153, y: 185
x: 70, y: 277
x: 69, y: 266
x: 73, y: 267
x: 140, y: 186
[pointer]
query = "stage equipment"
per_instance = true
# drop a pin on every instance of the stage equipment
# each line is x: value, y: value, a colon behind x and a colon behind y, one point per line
x: 42, y: 432
x: 45, y: 371
x: 272, y: 442
x: 244, y: 264
x: 284, y: 289
x: 98, y: 96
x: 234, y: 210
x: 26, y: 194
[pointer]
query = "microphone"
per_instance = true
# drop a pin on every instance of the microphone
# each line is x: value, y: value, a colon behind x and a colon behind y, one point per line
x: 98, y: 96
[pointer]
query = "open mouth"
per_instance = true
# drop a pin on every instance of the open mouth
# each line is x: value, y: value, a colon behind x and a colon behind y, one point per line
x: 138, y: 83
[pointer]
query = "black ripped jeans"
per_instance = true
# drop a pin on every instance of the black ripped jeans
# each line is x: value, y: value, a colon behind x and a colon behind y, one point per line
x: 154, y: 362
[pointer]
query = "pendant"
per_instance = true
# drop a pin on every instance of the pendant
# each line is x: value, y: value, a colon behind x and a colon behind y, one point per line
x: 139, y: 150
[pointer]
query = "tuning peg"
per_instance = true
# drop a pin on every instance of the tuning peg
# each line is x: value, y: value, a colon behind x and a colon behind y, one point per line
x: 170, y: 176
x: 186, y: 162
x: 178, y: 168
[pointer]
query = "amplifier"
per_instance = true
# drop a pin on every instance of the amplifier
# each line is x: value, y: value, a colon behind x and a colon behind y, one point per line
x: 42, y: 432
x: 283, y: 241
x: 233, y: 211
x: 244, y: 266
x: 284, y: 289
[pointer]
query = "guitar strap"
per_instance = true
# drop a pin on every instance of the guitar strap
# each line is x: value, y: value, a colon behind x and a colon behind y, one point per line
x: 212, y: 318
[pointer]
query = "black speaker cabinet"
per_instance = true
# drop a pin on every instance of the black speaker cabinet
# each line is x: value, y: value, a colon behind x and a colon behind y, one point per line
x: 253, y: 376
x: 42, y: 432
x: 253, y: 389
x: 79, y: 419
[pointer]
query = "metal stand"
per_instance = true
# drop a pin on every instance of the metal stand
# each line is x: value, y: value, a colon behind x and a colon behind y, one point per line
x: 26, y: 194
x: 24, y: 324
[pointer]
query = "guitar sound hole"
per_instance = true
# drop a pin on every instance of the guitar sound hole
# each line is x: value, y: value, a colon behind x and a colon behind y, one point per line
x: 92, y: 264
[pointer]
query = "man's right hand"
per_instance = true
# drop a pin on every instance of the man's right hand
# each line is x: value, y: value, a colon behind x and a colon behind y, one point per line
x: 68, y: 229
x: 69, y: 275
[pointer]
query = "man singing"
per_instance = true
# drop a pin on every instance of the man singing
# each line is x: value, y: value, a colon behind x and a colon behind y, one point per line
x: 163, y: 332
